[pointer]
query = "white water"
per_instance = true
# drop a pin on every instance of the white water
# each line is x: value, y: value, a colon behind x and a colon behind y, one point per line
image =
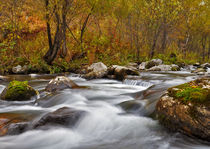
x: 105, y: 126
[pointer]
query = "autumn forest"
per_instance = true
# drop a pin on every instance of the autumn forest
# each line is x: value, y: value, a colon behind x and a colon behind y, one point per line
x: 61, y: 35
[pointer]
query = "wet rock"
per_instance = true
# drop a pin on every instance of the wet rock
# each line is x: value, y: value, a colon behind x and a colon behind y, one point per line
x: 17, y: 128
x: 96, y: 70
x: 20, y: 70
x: 18, y: 91
x: 186, y: 109
x: 205, y: 66
x: 181, y: 64
x: 172, y: 67
x: 135, y: 65
x: 64, y: 116
x: 120, y: 72
x: 15, y: 123
x: 153, y: 62
x: 142, y: 66
x: 175, y: 67
x: 60, y: 83
x: 132, y: 106
x: 161, y: 68
x: 197, y: 65
x: 155, y: 68
x: 199, y: 70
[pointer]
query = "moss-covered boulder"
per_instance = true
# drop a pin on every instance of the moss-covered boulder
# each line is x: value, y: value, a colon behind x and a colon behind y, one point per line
x: 18, y: 91
x: 186, y: 108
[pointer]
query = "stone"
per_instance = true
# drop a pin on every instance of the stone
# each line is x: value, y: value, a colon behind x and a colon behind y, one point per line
x: 199, y: 70
x: 175, y: 67
x: 197, y: 65
x: 205, y: 66
x: 64, y: 117
x: 132, y: 106
x: 18, y: 91
x: 135, y: 65
x: 96, y: 70
x: 120, y: 72
x: 17, y: 128
x: 153, y: 62
x: 142, y: 66
x: 186, y: 109
x: 161, y: 68
x: 60, y: 83
x: 20, y: 70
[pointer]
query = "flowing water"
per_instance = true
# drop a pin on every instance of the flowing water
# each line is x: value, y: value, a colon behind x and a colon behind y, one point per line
x: 106, y: 125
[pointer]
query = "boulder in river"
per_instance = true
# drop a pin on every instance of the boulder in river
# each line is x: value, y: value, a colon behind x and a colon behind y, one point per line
x: 186, y: 109
x: 60, y: 83
x: 205, y: 66
x: 18, y: 91
x: 175, y: 67
x: 142, y: 66
x: 153, y: 62
x: 12, y: 123
x: 172, y: 67
x: 96, y: 70
x: 120, y: 72
x: 64, y: 116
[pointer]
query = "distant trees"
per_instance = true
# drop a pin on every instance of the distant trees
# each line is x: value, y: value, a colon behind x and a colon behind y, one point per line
x: 122, y: 29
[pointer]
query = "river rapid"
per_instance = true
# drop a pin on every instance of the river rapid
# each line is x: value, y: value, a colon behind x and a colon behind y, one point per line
x: 105, y: 125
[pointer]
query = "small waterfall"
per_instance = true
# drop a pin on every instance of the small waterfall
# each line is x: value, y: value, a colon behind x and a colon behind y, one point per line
x: 137, y: 83
x: 208, y: 70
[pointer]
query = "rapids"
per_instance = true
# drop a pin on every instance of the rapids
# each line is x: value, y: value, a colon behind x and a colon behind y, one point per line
x: 106, y: 125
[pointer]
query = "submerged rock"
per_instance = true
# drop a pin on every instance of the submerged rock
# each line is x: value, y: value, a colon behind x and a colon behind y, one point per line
x: 15, y: 122
x: 60, y: 83
x: 96, y: 70
x: 64, y: 116
x: 18, y: 91
x: 132, y: 106
x: 186, y: 109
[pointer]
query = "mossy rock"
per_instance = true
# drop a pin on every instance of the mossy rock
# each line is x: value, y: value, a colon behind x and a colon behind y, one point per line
x: 186, y: 108
x: 194, y: 91
x: 18, y: 91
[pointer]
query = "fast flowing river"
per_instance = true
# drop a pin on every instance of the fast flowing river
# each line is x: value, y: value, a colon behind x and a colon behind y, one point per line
x: 106, y: 125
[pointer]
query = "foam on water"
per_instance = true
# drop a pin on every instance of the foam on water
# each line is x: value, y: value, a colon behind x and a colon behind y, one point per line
x: 105, y: 125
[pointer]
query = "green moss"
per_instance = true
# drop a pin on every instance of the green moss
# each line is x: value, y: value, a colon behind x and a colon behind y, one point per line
x: 190, y: 92
x: 18, y: 91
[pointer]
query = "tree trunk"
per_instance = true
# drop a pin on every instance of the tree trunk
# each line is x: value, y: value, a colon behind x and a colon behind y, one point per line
x: 60, y: 35
x: 203, y: 48
x: 152, y: 52
x: 163, y: 46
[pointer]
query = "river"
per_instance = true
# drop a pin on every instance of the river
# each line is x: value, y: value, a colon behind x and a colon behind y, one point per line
x: 106, y: 125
